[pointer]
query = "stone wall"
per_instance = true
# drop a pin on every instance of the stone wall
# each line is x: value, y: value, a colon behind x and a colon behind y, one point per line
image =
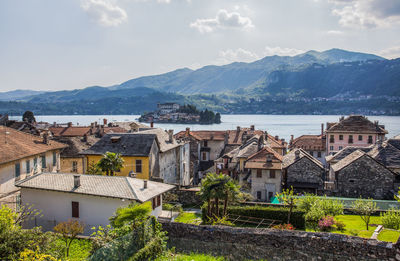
x: 271, y: 244
x: 366, y: 178
x: 187, y: 196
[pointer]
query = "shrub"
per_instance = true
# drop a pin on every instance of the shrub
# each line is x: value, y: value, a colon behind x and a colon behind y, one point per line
x: 313, y: 217
x: 169, y: 207
x: 284, y: 227
x: 275, y: 213
x: 330, y: 207
x: 391, y: 219
x: 326, y: 223
x: 340, y: 225
x: 307, y: 202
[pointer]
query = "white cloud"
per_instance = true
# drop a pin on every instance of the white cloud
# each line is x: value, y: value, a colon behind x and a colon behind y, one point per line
x: 334, y: 32
x: 238, y: 55
x: 104, y: 12
x: 391, y: 53
x: 269, y: 51
x: 223, y: 19
x: 367, y: 13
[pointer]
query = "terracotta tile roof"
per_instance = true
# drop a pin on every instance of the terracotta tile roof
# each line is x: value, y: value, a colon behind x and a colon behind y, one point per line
x: 20, y: 145
x: 202, y: 135
x: 309, y: 142
x: 356, y: 124
x: 235, y: 137
x: 76, y: 145
x: 259, y: 159
x: 114, y: 129
x: 73, y: 131
x: 96, y: 185
x: 290, y: 158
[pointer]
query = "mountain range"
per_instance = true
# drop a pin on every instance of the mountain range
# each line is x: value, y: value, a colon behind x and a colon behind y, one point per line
x: 351, y: 80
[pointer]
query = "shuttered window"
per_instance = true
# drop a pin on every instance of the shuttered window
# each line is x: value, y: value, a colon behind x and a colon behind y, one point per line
x: 259, y: 173
x: 44, y: 161
x: 138, y: 166
x: 54, y: 159
x: 75, y: 209
x: 17, y: 170
x: 28, y: 166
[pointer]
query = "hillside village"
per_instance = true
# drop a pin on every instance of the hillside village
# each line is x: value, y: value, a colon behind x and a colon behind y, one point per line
x: 58, y: 169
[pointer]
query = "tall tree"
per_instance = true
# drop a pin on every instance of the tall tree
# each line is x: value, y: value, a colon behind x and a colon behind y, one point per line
x: 111, y: 162
x: 364, y: 208
x: 28, y: 117
x: 288, y: 198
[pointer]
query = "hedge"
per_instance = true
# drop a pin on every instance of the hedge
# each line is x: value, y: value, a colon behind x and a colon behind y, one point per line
x: 280, y: 214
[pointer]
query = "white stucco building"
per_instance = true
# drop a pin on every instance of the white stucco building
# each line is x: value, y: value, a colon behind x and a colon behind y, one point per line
x: 91, y: 199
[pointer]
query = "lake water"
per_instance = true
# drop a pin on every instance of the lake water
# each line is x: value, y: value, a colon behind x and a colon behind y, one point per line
x: 282, y: 125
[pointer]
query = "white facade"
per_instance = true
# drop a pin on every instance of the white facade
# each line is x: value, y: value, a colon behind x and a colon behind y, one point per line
x: 56, y: 207
x: 185, y: 164
x: 265, y: 187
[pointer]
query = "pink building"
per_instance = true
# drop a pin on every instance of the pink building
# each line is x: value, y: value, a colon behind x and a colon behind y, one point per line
x: 354, y: 130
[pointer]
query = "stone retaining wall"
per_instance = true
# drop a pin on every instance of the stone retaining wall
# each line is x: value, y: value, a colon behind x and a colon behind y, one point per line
x: 271, y: 244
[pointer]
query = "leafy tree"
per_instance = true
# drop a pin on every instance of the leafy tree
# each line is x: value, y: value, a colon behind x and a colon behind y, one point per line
x: 134, y: 214
x: 364, y: 208
x: 111, y: 162
x: 288, y: 198
x: 391, y: 219
x: 93, y: 169
x: 28, y: 117
x: 69, y: 230
x: 217, y: 118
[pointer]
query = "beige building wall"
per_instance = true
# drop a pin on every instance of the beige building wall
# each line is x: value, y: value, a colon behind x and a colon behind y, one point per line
x: 66, y: 165
x: 265, y: 184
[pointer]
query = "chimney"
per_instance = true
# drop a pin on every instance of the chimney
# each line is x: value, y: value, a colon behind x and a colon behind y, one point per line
x: 54, y: 124
x: 277, y: 137
x: 95, y: 123
x: 322, y: 129
x: 252, y: 127
x: 151, y: 124
x: 77, y: 181
x: 238, y: 128
x: 297, y: 154
x: 226, y: 137
x: 45, y: 138
x: 69, y: 124
x: 187, y: 131
x: 145, y: 184
x: 105, y: 122
x: 291, y: 138
x: 170, y: 135
x: 84, y: 137
x: 376, y: 123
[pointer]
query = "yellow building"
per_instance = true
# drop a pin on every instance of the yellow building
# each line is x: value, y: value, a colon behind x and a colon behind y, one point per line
x: 140, y: 153
x: 23, y: 155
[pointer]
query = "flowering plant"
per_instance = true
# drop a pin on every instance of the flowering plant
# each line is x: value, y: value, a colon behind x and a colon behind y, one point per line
x: 326, y: 223
x: 284, y: 227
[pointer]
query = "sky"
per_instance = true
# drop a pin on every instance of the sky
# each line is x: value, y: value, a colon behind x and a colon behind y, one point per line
x: 72, y: 44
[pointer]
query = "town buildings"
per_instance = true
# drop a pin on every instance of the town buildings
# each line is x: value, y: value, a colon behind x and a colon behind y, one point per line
x: 91, y: 199
x: 354, y: 130
x: 315, y: 145
x: 23, y: 155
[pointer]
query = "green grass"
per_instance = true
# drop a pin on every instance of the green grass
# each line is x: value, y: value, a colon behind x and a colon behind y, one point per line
x: 192, y: 257
x: 189, y: 218
x: 79, y: 250
x: 389, y: 235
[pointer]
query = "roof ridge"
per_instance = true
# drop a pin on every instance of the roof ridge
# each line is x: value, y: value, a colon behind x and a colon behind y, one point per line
x: 131, y: 188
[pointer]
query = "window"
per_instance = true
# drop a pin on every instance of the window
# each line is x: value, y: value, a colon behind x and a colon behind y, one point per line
x: 138, y: 166
x: 331, y: 148
x: 312, y: 153
x: 350, y: 138
x: 340, y: 137
x: 74, y: 166
x: 259, y: 173
x: 270, y: 195
x: 259, y: 195
x: 28, y: 166
x: 17, y: 170
x: 205, y: 144
x: 75, y: 209
x: 370, y: 139
x: 360, y: 137
x: 271, y: 173
x: 35, y: 165
x: 43, y: 161
x: 204, y: 156
x: 319, y: 154
x: 332, y: 139
x: 156, y: 201
x: 54, y: 159
x: 340, y: 147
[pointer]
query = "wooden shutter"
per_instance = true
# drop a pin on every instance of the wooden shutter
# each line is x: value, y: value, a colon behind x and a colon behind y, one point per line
x: 75, y: 209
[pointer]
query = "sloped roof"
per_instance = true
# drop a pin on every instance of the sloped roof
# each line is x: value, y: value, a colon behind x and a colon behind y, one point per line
x: 76, y: 145
x: 348, y: 160
x: 290, y: 158
x: 309, y: 142
x: 394, y: 142
x: 96, y: 185
x: 386, y: 154
x: 259, y: 159
x: 345, y: 152
x: 72, y: 131
x: 163, y: 139
x: 235, y: 137
x: 127, y: 144
x: 244, y: 151
x: 16, y: 145
x: 356, y: 124
x: 114, y: 129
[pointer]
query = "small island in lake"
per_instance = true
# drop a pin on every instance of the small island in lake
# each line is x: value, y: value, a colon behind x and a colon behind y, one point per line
x: 175, y: 113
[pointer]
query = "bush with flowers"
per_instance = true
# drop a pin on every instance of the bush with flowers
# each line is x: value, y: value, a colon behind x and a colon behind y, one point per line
x: 326, y: 223
x: 284, y: 227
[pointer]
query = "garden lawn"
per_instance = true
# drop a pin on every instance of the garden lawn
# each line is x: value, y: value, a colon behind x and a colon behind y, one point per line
x: 389, y: 235
x: 192, y: 257
x: 355, y: 226
x: 189, y: 218
x: 79, y: 250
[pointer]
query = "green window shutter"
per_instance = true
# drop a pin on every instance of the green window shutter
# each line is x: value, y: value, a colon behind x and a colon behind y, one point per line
x: 28, y: 166
x: 44, y: 161
x: 54, y: 159
x: 17, y: 170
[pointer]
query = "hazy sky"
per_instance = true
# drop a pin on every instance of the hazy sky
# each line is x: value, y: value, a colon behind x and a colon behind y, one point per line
x: 70, y: 44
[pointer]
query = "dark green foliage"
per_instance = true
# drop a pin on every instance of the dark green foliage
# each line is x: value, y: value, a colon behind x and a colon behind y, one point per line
x: 275, y: 213
x: 28, y: 117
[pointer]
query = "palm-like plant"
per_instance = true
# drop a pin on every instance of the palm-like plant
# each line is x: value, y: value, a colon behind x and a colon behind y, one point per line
x: 111, y: 162
x: 133, y: 214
